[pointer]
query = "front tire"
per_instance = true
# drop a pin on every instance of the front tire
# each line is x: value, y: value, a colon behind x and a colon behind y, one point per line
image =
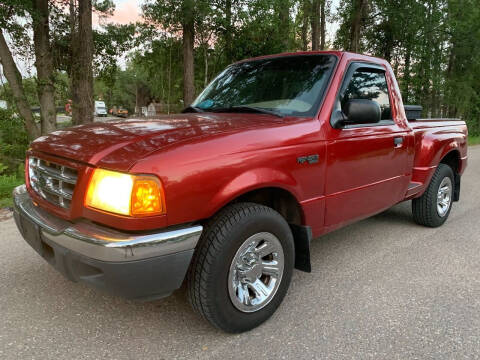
x: 433, y: 207
x: 242, y: 267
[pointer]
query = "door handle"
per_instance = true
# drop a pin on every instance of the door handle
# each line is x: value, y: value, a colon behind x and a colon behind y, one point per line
x: 398, y: 141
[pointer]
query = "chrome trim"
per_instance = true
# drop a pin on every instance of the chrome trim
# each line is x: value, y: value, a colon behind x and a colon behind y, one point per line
x: 59, y: 175
x: 60, y: 192
x: 103, y: 243
x: 53, y: 182
x: 444, y: 196
x: 256, y: 272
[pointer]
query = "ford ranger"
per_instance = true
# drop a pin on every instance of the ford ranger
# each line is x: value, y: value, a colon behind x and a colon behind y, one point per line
x: 227, y: 195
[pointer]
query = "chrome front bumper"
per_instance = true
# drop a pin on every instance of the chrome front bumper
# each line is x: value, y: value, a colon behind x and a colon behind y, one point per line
x: 143, y: 266
x: 102, y: 243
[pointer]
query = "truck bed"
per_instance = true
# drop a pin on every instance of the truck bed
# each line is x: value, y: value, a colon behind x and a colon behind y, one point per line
x: 434, y: 123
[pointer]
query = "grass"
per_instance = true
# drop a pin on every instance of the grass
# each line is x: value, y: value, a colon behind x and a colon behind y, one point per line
x: 473, y: 140
x: 7, y: 184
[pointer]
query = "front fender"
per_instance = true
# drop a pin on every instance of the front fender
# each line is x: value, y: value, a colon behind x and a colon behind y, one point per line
x: 254, y: 179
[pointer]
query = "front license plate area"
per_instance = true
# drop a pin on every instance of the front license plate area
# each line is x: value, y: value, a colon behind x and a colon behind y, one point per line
x: 31, y: 234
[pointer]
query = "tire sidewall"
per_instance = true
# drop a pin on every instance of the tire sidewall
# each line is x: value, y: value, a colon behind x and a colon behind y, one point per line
x: 226, y: 313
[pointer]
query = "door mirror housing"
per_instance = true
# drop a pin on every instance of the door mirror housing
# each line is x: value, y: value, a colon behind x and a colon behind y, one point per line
x: 362, y: 111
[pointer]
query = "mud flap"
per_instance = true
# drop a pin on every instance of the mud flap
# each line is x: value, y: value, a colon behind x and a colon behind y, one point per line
x: 456, y: 190
x: 302, y: 236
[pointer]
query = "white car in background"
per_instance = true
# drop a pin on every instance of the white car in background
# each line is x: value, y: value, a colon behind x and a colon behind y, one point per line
x: 100, y: 109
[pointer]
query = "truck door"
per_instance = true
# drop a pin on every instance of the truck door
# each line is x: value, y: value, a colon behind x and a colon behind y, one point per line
x: 367, y: 164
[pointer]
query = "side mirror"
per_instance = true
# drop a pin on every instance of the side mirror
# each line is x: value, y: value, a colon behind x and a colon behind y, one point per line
x: 362, y: 111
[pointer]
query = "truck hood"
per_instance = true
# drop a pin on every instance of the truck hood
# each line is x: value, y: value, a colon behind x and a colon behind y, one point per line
x: 118, y: 145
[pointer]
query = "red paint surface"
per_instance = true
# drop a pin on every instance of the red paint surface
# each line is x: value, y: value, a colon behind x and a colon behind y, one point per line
x: 207, y: 160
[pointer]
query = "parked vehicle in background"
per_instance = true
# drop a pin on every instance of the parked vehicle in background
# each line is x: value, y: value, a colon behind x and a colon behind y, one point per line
x: 100, y: 109
x: 227, y: 196
x: 122, y: 112
x: 119, y: 111
x: 3, y: 104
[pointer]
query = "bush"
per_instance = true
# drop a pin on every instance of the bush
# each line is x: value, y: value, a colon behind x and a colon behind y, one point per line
x: 13, y: 143
x: 473, y: 140
x: 7, y: 184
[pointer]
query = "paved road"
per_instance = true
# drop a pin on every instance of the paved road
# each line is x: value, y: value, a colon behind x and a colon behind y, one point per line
x: 383, y: 288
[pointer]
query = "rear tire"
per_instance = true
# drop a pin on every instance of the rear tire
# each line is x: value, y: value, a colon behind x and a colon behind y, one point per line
x: 433, y: 207
x: 229, y: 281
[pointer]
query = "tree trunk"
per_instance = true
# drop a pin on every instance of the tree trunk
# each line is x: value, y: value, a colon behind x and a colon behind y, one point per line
x: 355, y: 28
x: 406, y: 76
x: 81, y: 71
x: 14, y: 79
x: 188, y: 59
x: 452, y: 108
x: 169, y: 77
x: 228, y: 31
x: 205, y: 81
x: 305, y: 10
x: 284, y: 21
x: 323, y: 25
x: 315, y: 24
x: 44, y: 66
x: 389, y: 42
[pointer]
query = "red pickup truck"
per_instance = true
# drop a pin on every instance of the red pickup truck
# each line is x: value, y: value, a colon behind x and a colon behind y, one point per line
x: 226, y: 196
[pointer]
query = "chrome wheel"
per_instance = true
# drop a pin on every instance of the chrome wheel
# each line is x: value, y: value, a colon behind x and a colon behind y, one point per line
x: 444, y: 196
x: 256, y: 272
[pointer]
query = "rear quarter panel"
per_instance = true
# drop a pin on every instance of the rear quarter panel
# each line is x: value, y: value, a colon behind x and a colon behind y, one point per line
x: 434, y: 139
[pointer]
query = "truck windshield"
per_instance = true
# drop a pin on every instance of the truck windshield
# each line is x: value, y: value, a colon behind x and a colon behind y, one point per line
x: 290, y: 85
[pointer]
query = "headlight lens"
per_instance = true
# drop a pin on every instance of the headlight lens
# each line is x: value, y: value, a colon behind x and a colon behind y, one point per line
x: 125, y: 194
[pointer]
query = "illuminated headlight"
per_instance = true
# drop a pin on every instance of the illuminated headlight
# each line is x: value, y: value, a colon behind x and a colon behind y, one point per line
x: 125, y: 194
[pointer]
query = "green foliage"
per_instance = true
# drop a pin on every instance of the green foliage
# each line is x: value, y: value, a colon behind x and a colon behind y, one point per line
x: 434, y: 49
x: 110, y: 42
x: 7, y: 184
x: 160, y: 69
x: 121, y: 94
x: 474, y: 140
x: 10, y: 12
x: 62, y: 91
x: 13, y: 143
x: 225, y: 31
x: 173, y: 14
x: 30, y: 88
x: 433, y: 46
x: 62, y: 88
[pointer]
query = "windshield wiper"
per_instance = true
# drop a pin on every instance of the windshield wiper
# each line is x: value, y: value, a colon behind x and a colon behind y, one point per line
x: 246, y: 108
x: 191, y: 109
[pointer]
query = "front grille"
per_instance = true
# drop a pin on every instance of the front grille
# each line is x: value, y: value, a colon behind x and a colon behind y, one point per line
x: 53, y: 182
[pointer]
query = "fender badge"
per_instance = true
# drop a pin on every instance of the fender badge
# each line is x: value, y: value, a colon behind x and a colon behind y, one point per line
x: 310, y: 159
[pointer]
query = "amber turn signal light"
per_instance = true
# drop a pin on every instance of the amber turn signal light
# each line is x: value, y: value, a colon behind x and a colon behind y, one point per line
x: 147, y: 197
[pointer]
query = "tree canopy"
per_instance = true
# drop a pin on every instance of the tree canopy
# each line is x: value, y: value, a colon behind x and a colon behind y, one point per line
x: 180, y: 45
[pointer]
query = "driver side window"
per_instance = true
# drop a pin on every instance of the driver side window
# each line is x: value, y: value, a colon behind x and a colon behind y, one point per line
x: 371, y: 85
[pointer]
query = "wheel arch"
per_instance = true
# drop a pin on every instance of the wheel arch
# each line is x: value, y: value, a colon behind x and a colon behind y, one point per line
x: 287, y: 205
x: 452, y: 159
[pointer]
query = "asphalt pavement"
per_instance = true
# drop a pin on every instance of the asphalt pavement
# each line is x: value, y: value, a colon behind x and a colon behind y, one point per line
x: 383, y: 288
